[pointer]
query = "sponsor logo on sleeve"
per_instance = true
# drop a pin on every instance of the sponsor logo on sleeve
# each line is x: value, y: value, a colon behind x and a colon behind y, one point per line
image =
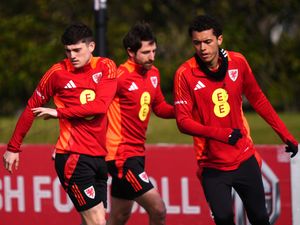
x: 40, y: 94
x: 180, y: 102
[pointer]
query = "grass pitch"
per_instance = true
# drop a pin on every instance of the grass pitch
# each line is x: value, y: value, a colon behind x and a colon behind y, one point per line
x: 159, y: 130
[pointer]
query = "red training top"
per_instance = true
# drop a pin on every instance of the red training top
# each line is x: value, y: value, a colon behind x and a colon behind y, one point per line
x: 208, y: 110
x: 72, y: 87
x: 129, y: 114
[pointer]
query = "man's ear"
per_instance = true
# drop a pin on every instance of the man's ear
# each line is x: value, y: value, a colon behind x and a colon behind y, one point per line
x: 92, y: 46
x: 220, y: 40
x: 130, y: 53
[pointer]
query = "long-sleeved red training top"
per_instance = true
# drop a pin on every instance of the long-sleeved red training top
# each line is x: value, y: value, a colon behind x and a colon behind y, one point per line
x: 128, y: 115
x: 71, y: 87
x: 208, y: 110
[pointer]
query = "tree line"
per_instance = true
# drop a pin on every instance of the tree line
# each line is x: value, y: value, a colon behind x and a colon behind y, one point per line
x: 267, y: 32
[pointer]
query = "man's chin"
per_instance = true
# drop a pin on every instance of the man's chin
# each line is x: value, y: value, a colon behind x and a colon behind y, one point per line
x: 148, y: 66
x: 76, y: 65
x: 205, y: 59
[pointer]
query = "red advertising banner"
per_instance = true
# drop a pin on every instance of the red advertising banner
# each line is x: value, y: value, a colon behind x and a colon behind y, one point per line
x: 33, y: 195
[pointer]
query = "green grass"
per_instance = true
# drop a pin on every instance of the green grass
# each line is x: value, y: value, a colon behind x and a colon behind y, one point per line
x: 41, y: 131
x: 262, y: 133
x: 159, y: 130
x: 165, y: 131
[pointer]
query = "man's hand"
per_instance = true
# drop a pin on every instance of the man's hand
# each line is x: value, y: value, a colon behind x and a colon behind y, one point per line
x: 11, y: 159
x: 46, y: 113
x: 291, y: 148
x: 234, y: 136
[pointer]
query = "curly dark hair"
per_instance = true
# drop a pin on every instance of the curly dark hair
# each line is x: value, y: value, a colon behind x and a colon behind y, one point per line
x: 141, y: 31
x: 205, y: 22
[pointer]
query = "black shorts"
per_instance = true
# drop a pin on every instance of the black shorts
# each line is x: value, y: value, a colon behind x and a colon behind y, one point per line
x: 134, y: 181
x: 84, y: 178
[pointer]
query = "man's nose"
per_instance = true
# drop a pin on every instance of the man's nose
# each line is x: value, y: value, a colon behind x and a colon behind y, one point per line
x: 72, y: 55
x: 152, y: 56
x: 202, y: 47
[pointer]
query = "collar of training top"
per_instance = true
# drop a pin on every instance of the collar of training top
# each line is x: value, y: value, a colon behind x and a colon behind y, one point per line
x: 220, y: 73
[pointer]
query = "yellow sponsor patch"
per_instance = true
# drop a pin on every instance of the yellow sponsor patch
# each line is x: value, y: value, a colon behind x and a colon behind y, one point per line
x: 220, y: 98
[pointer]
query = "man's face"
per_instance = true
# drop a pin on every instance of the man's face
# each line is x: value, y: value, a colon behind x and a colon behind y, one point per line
x: 145, y: 56
x: 207, y: 45
x: 80, y: 53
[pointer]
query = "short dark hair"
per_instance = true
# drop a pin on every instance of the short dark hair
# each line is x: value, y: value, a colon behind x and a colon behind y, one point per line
x: 205, y: 22
x: 141, y: 31
x: 77, y: 32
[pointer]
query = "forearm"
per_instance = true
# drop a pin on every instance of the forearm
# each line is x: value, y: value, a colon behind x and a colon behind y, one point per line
x: 80, y: 111
x: 264, y: 108
x: 23, y: 125
x: 164, y: 110
x: 104, y: 96
x: 272, y: 118
x: 194, y: 128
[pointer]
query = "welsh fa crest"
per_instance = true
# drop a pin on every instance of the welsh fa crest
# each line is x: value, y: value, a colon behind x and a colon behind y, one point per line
x: 233, y: 74
x: 97, y: 77
x: 154, y: 81
x: 144, y: 177
x: 90, y: 192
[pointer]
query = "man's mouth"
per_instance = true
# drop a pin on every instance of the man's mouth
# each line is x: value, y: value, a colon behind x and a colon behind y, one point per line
x: 204, y: 56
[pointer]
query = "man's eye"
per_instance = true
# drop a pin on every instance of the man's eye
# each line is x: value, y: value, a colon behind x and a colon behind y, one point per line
x: 195, y: 42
